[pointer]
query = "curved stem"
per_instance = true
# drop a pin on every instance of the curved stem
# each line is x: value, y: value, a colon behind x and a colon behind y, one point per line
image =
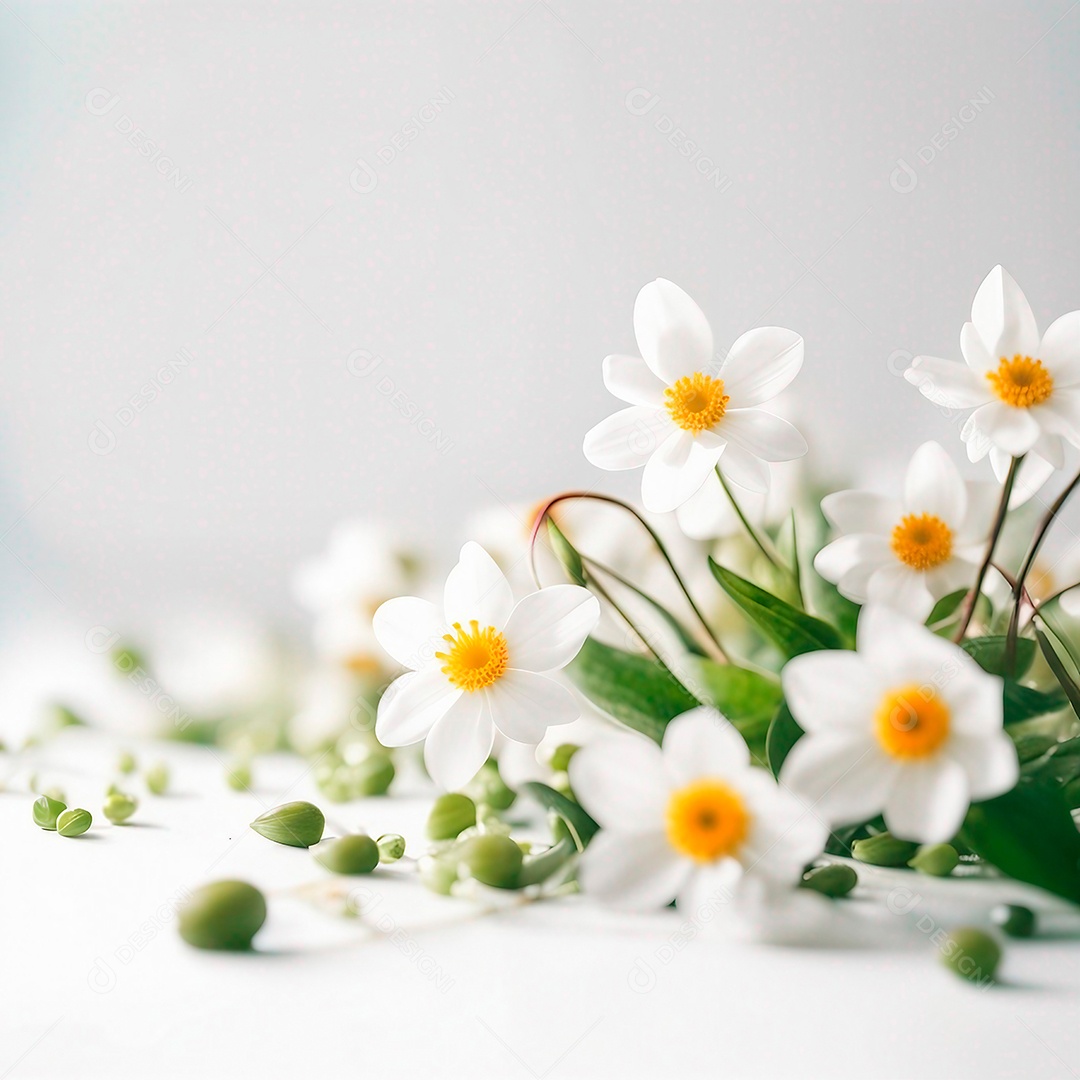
x: 768, y: 551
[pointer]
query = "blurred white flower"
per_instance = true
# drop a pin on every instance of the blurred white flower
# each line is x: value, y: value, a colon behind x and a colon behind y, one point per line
x: 330, y: 700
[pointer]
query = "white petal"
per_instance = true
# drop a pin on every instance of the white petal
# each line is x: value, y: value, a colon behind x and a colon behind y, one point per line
x: 634, y: 871
x: 859, y: 551
x: 1060, y: 414
x: 1013, y: 430
x: 409, y: 629
x: 901, y: 651
x: 524, y: 705
x: 629, y: 378
x: 861, y: 512
x: 672, y: 333
x: 1059, y: 349
x: 620, y: 780
x: 990, y: 763
x: 763, y: 435
x: 956, y: 573
x: 975, y: 699
x: 628, y: 438
x: 708, y: 888
x: 933, y: 485
x: 901, y: 588
x: 477, y: 589
x: 1034, y: 473
x: 785, y: 834
x: 975, y: 352
x: 741, y: 467
x: 678, y: 468
x: 703, y: 743
x: 982, y: 500
x: 547, y: 628
x: 831, y: 690
x: 708, y: 514
x: 928, y: 801
x: 761, y: 364
x: 1003, y: 316
x: 947, y: 383
x: 412, y: 704
x: 459, y: 743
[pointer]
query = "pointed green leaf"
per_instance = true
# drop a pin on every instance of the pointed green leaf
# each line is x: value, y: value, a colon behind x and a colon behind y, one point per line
x: 566, y: 553
x: 989, y: 653
x: 784, y: 733
x: 581, y: 825
x: 747, y: 698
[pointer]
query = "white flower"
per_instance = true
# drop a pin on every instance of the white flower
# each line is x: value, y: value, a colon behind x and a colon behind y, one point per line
x: 1025, y: 391
x: 909, y: 552
x: 475, y: 665
x: 908, y: 725
x: 685, y: 416
x: 687, y: 821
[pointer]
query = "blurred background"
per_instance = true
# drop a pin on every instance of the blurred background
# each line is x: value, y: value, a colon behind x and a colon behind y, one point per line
x: 273, y: 266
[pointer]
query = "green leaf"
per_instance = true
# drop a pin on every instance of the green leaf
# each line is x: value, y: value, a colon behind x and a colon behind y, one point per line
x: 791, y: 630
x: 635, y: 690
x: 566, y: 553
x: 784, y: 733
x: 945, y: 616
x: 538, y: 868
x: 1030, y: 835
x: 989, y: 653
x: 1024, y: 702
x: 747, y: 698
x: 1057, y: 657
x: 581, y: 826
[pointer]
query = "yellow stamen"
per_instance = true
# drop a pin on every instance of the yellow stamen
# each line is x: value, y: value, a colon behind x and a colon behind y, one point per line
x: 696, y: 402
x: 912, y: 722
x: 1021, y: 382
x: 707, y: 820
x: 476, y: 658
x: 922, y: 541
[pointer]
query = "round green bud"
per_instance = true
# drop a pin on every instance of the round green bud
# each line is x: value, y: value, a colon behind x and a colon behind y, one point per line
x: 119, y: 807
x: 836, y: 879
x: 46, y: 811
x: 884, y: 850
x: 73, y: 822
x: 373, y: 775
x: 357, y: 854
x: 126, y: 763
x: 560, y: 760
x: 1014, y: 919
x: 450, y: 815
x: 238, y: 776
x: 222, y: 915
x: 438, y: 872
x: 295, y: 824
x: 493, y: 860
x: 157, y: 778
x: 938, y: 860
x: 972, y: 954
x: 391, y: 847
x: 487, y: 788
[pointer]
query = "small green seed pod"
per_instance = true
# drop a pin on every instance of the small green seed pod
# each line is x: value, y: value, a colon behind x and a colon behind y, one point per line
x: 450, y: 815
x: 937, y: 860
x: 157, y: 778
x: 222, y: 915
x: 357, y: 854
x: 46, y: 811
x: 884, y: 850
x: 373, y: 775
x: 238, y: 776
x: 119, y: 807
x: 126, y: 763
x: 1014, y: 919
x: 73, y: 822
x: 493, y: 860
x: 487, y: 788
x: 391, y: 847
x: 55, y: 793
x: 972, y: 954
x: 835, y: 880
x: 560, y: 760
x: 438, y: 872
x: 295, y: 824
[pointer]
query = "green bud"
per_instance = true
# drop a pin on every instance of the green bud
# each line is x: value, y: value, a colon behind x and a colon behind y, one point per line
x: 450, y: 815
x: 114, y: 789
x: 119, y: 807
x: 46, y: 811
x: 222, y: 915
x: 55, y: 793
x: 126, y: 763
x: 73, y: 822
x: 373, y: 775
x: 884, y: 850
x: 295, y: 824
x: 238, y: 776
x: 560, y: 760
x: 565, y: 553
x: 938, y: 860
x: 438, y: 872
x: 1014, y: 919
x: 357, y: 854
x: 836, y: 879
x: 157, y: 778
x: 493, y: 860
x: 127, y: 659
x: 391, y: 847
x: 487, y: 788
x: 973, y: 954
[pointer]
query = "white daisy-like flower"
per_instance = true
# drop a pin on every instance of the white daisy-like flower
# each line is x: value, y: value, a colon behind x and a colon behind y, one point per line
x: 476, y: 666
x: 1025, y: 390
x: 688, y: 415
x: 908, y: 725
x: 687, y: 821
x: 908, y: 553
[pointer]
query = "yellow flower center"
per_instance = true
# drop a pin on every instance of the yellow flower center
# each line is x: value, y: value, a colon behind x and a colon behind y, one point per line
x: 1021, y: 382
x: 476, y: 657
x: 912, y: 722
x: 922, y: 541
x: 707, y: 820
x: 696, y: 402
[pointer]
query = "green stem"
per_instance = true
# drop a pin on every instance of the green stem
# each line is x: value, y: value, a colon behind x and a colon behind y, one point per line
x: 766, y: 549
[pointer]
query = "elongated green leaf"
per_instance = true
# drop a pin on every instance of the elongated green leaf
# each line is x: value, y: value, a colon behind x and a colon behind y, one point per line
x: 989, y: 653
x: 784, y: 733
x: 538, y: 868
x: 581, y: 826
x: 945, y: 617
x: 1057, y: 659
x: 635, y: 690
x: 566, y: 553
x: 747, y: 698
x: 1023, y: 702
x: 791, y: 630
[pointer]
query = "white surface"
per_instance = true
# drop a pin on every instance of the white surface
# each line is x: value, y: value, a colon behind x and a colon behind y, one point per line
x: 98, y: 983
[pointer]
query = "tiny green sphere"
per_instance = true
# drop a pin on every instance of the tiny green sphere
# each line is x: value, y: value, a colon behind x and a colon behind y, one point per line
x: 560, y: 760
x: 884, y: 850
x: 493, y: 860
x: 373, y: 775
x: 46, y: 811
x: 972, y: 954
x: 294, y: 824
x: 157, y: 778
x: 357, y: 854
x: 126, y: 763
x: 238, y: 776
x: 73, y: 822
x: 438, y: 873
x: 835, y: 880
x: 938, y: 860
x: 391, y: 847
x: 119, y: 807
x: 1015, y: 920
x: 452, y: 814
x: 222, y: 915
